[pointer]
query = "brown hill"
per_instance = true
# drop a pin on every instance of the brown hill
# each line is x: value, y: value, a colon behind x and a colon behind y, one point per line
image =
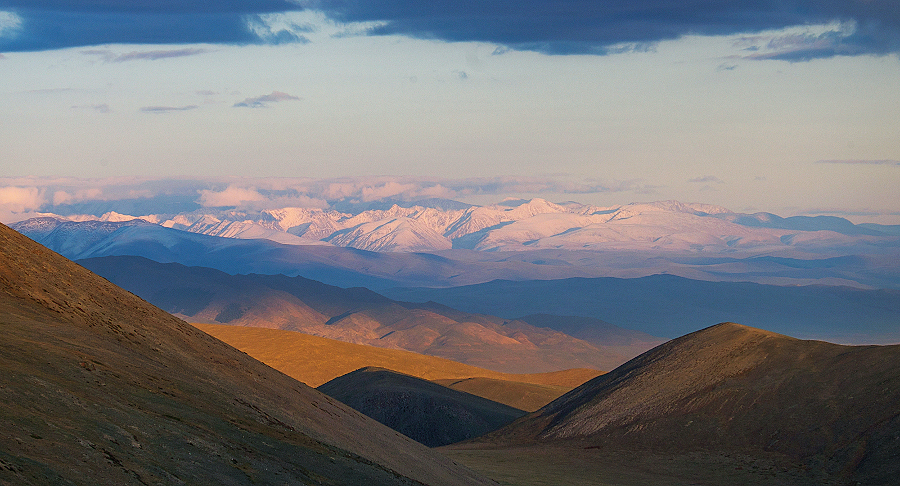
x: 524, y: 396
x: 430, y: 413
x: 360, y: 316
x: 99, y: 387
x: 830, y: 411
x: 315, y: 360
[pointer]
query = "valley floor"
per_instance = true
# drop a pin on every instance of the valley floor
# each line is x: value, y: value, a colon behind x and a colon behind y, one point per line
x: 546, y: 466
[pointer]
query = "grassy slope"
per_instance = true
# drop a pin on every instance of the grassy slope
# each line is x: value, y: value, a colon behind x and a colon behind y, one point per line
x: 315, y: 360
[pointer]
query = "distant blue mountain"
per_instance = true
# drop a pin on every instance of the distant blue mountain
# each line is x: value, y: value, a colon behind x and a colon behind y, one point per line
x: 670, y: 306
x: 802, y: 223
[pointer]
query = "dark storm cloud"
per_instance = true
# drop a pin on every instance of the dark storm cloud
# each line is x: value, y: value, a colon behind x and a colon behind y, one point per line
x: 595, y: 26
x: 54, y: 24
x: 548, y: 26
x: 151, y: 6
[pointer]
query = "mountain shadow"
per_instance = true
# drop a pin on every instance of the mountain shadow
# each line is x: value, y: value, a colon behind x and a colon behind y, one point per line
x: 422, y: 410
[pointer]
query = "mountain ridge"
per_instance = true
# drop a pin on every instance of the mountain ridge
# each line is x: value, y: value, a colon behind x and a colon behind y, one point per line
x: 826, y: 409
x: 101, y: 387
x: 364, y: 317
x: 532, y: 224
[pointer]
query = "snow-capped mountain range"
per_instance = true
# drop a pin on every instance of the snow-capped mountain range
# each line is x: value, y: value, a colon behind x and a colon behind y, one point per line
x: 527, y: 225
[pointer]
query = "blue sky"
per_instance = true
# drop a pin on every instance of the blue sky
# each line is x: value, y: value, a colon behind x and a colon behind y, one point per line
x: 786, y: 107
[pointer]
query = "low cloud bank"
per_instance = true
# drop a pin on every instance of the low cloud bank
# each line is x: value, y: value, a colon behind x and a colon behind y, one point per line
x: 25, y: 197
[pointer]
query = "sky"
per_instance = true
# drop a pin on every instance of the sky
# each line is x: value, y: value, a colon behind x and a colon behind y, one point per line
x: 790, y: 107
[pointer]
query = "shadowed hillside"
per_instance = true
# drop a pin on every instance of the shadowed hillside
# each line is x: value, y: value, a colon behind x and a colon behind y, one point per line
x: 99, y: 387
x: 828, y: 411
x: 425, y: 411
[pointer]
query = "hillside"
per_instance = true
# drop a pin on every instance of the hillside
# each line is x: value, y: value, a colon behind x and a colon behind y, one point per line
x: 315, y: 360
x: 430, y: 413
x: 99, y: 387
x: 825, y: 411
x: 361, y: 316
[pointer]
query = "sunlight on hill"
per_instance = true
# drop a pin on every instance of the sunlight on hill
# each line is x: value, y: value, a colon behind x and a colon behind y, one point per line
x: 315, y: 360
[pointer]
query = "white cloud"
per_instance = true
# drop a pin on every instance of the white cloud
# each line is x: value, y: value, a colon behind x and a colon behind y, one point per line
x: 231, y: 196
x: 17, y: 203
x: 163, y: 196
x: 389, y: 189
x: 78, y: 195
x: 10, y: 24
x: 304, y: 26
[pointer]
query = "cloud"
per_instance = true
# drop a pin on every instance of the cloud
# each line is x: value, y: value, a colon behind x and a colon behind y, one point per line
x: 76, y: 195
x: 167, y: 109
x: 604, y: 27
x: 708, y: 178
x: 812, y: 42
x: 264, y: 100
x: 389, y: 189
x: 861, y: 162
x: 154, y: 55
x: 100, y: 108
x: 10, y: 24
x: 231, y: 196
x: 20, y: 199
x: 138, y: 196
x: 18, y: 203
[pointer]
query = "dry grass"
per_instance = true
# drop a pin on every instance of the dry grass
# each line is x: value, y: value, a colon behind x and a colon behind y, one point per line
x: 549, y: 466
x: 315, y: 360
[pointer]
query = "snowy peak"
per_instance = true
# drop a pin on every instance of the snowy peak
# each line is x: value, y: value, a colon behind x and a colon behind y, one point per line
x: 398, y: 234
x: 637, y: 209
x: 516, y: 225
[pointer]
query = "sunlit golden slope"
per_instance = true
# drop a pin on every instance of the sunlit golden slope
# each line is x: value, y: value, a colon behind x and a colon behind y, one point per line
x: 315, y: 360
